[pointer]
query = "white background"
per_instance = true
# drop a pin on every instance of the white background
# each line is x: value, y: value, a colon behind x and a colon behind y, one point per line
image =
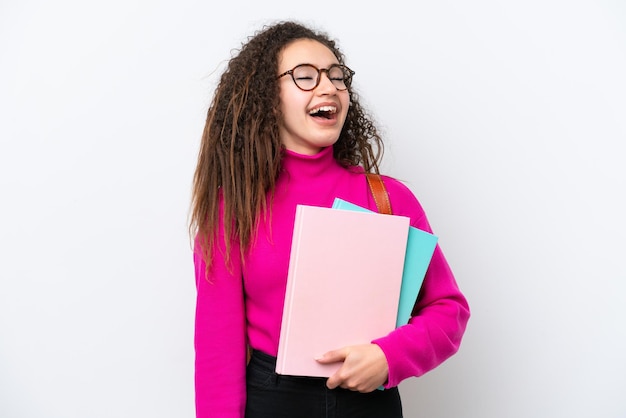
x: 507, y: 120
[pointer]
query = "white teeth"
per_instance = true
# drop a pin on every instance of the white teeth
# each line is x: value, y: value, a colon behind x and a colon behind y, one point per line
x: 330, y: 109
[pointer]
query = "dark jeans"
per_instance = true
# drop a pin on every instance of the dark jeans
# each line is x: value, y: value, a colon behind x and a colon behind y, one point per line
x: 276, y: 396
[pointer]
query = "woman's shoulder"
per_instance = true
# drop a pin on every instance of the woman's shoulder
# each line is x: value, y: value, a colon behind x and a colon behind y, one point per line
x: 403, y: 200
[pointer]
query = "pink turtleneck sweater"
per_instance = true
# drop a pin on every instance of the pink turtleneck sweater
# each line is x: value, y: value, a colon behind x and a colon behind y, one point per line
x: 244, y: 303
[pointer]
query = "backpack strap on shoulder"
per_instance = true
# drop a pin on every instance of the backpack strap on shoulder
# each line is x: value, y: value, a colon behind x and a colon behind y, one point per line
x: 379, y: 192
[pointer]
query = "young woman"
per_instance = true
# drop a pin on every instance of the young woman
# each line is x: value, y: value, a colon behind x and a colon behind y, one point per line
x: 284, y: 128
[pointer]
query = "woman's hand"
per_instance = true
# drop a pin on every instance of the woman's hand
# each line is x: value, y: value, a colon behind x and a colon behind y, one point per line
x: 364, y: 367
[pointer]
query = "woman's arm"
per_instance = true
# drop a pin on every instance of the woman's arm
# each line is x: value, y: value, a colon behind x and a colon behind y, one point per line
x: 440, y: 315
x: 432, y: 335
x: 220, y: 337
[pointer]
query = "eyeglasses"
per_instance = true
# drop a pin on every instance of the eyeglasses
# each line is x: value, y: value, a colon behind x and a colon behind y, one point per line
x: 308, y: 76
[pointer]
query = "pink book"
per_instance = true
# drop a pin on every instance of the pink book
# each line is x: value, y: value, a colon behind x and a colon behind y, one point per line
x: 343, y: 285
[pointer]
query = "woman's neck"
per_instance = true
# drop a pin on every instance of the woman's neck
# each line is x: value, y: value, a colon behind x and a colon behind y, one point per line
x: 302, y: 166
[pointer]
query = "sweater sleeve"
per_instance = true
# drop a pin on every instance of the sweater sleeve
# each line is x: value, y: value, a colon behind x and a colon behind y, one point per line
x: 441, y: 312
x: 219, y: 335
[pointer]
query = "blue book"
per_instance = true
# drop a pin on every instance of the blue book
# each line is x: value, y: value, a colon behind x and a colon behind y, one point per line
x: 419, y: 251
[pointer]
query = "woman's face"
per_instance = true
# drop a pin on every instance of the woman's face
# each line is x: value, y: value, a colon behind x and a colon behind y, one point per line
x: 304, y: 128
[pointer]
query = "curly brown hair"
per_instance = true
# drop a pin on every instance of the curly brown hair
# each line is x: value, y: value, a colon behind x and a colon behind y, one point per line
x: 240, y: 153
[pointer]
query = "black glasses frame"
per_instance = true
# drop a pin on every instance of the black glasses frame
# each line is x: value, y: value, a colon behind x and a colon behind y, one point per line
x: 347, y: 80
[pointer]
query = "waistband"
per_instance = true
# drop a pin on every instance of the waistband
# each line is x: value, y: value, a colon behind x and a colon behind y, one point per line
x: 263, y: 361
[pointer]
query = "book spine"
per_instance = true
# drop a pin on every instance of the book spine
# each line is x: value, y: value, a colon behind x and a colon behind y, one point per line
x: 291, y: 285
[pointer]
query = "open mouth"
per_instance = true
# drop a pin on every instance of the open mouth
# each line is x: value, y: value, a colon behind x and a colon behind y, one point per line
x: 324, y: 112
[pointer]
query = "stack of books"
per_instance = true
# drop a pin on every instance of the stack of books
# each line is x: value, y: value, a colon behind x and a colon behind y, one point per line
x: 354, y: 276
